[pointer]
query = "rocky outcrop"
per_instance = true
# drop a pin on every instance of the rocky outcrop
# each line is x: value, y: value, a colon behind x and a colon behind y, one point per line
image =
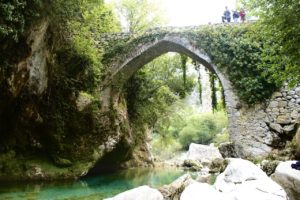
x: 288, y: 178
x: 202, y: 152
x: 269, y: 166
x: 196, y: 191
x: 173, y: 190
x: 244, y: 180
x: 227, y: 150
x: 194, y: 165
x: 142, y: 192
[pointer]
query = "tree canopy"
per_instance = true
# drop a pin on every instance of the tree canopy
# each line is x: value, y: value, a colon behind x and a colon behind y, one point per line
x: 139, y: 15
x: 279, y: 24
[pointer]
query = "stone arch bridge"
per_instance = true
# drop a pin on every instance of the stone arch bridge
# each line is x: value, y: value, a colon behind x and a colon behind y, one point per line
x: 254, y: 130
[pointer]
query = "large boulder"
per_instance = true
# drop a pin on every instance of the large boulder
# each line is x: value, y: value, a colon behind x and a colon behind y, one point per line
x: 196, y: 191
x: 142, y: 192
x: 173, y: 190
x: 202, y: 152
x: 243, y: 180
x: 288, y: 178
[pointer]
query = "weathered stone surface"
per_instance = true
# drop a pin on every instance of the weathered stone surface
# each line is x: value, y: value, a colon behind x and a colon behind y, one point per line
x: 288, y: 178
x: 284, y: 119
x: 269, y: 166
x: 194, y: 165
x: 217, y: 165
x: 277, y: 94
x: 243, y: 180
x: 289, y: 128
x: 201, y: 152
x: 282, y: 103
x: 37, y: 62
x: 273, y: 104
x: 276, y: 127
x: 174, y: 190
x: 295, y: 114
x: 297, y: 138
x: 204, y: 178
x: 197, y: 191
x: 297, y: 91
x: 227, y: 150
x: 142, y: 192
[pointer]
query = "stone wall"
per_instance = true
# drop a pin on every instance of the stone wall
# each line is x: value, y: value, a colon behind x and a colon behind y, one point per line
x: 254, y: 130
x: 269, y: 125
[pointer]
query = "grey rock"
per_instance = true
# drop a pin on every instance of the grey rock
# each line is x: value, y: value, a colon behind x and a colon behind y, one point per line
x: 202, y: 152
x: 173, y: 190
x: 142, y: 192
x: 282, y: 104
x: 276, y: 127
x: 277, y: 94
x: 288, y: 178
x: 244, y: 180
x: 193, y: 165
x: 295, y: 114
x: 289, y: 128
x: 197, y: 190
x: 283, y: 119
x: 297, y: 91
x: 227, y: 150
x: 269, y: 166
x: 273, y: 104
x: 292, y: 92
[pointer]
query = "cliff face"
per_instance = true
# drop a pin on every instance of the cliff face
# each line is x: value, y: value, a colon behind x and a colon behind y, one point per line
x: 51, y: 126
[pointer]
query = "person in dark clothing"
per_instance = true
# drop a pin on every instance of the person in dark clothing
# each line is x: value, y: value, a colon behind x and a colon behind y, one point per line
x: 226, y: 16
x: 296, y: 165
x: 235, y: 16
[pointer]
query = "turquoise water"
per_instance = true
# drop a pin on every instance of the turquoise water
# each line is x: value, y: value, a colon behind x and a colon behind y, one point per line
x: 90, y: 188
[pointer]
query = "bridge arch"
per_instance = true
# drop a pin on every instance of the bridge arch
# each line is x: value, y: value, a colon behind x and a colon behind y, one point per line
x: 172, y: 43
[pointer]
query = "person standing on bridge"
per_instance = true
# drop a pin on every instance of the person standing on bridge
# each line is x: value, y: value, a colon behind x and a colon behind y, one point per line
x: 226, y: 16
x: 243, y: 15
x: 235, y: 16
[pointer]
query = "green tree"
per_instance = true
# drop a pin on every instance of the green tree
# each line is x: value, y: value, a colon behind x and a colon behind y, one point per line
x: 279, y: 24
x: 139, y: 15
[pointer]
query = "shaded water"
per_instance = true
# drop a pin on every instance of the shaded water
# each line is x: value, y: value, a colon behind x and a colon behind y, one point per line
x: 98, y: 187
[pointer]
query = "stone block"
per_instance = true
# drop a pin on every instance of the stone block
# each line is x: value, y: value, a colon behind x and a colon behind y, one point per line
x: 273, y: 104
x: 284, y: 119
x: 297, y: 91
x: 289, y: 128
x: 282, y: 104
x: 277, y: 94
x: 276, y: 127
x: 295, y: 114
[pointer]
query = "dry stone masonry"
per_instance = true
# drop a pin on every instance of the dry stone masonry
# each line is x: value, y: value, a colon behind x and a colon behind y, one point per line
x: 254, y: 130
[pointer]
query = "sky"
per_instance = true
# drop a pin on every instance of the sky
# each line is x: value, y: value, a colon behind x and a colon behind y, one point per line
x: 196, y: 12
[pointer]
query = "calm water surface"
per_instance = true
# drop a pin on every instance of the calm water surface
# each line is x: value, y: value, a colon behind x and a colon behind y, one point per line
x: 90, y: 188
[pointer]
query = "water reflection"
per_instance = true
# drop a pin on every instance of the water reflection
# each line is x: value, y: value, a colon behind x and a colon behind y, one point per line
x: 90, y: 188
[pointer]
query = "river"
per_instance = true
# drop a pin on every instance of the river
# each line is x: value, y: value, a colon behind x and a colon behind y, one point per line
x: 97, y: 187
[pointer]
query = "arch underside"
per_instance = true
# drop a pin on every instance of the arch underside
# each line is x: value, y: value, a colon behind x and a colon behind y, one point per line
x: 146, y: 53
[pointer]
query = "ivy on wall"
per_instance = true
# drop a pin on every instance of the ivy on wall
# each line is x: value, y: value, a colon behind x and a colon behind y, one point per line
x: 234, y: 49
